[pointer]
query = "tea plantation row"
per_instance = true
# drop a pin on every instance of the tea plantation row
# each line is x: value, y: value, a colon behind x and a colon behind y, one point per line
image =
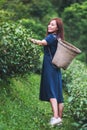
x: 75, y: 82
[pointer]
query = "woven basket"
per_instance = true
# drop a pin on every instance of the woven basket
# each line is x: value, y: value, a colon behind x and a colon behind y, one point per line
x: 65, y: 54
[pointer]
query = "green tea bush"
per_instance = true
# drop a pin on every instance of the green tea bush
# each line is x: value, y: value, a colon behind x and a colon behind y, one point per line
x: 75, y: 79
x: 35, y: 26
x: 5, y: 15
x: 17, y: 54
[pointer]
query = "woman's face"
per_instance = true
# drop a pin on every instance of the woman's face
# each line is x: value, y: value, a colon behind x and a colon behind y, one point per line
x: 52, y: 27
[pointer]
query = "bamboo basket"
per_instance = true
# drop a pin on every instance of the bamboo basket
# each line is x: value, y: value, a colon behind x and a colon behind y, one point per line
x: 65, y: 53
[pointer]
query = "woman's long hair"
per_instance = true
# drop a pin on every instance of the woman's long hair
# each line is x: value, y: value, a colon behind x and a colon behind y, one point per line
x: 60, y: 32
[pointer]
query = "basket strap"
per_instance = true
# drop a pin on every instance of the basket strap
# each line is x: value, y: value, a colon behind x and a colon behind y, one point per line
x: 50, y: 53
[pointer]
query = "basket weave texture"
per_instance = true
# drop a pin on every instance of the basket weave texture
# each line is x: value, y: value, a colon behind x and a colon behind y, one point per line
x: 65, y: 53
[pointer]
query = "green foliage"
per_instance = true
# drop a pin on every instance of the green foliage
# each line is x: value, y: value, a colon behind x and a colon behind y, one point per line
x: 17, y: 54
x: 75, y: 19
x: 2, y: 2
x: 75, y: 78
x: 21, y: 109
x: 40, y: 8
x: 36, y: 27
x: 17, y: 8
x: 60, y: 5
x: 29, y: 9
x: 5, y: 15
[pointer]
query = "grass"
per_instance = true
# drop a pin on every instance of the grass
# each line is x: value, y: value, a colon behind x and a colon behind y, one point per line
x: 21, y: 109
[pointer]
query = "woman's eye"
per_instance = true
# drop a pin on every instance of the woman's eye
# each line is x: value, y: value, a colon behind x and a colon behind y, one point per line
x: 52, y: 24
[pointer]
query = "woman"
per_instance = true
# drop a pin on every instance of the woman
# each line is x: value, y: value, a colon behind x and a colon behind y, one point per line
x: 51, y: 80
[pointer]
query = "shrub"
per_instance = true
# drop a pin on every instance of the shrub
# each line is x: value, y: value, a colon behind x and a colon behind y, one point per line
x: 5, y: 15
x: 75, y: 18
x: 37, y: 28
x: 75, y: 78
x: 17, y: 54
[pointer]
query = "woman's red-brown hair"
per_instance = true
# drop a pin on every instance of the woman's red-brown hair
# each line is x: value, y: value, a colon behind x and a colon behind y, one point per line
x: 60, y: 31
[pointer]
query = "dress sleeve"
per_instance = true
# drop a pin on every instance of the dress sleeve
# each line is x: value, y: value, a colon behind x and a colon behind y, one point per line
x: 51, y: 39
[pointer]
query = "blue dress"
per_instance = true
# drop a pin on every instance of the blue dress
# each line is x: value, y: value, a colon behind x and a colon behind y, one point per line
x: 51, y: 79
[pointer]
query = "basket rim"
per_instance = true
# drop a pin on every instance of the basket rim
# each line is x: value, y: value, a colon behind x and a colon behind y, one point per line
x: 69, y: 46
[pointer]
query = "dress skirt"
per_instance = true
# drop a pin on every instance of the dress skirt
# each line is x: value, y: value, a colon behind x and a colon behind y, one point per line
x: 51, y: 81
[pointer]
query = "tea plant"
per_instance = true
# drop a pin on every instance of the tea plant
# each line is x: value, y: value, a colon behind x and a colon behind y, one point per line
x: 17, y: 54
x: 76, y: 83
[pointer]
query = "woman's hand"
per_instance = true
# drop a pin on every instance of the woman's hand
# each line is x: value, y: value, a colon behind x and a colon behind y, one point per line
x: 32, y: 40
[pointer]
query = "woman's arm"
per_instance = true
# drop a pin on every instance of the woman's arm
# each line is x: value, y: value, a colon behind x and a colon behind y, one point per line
x: 38, y: 42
